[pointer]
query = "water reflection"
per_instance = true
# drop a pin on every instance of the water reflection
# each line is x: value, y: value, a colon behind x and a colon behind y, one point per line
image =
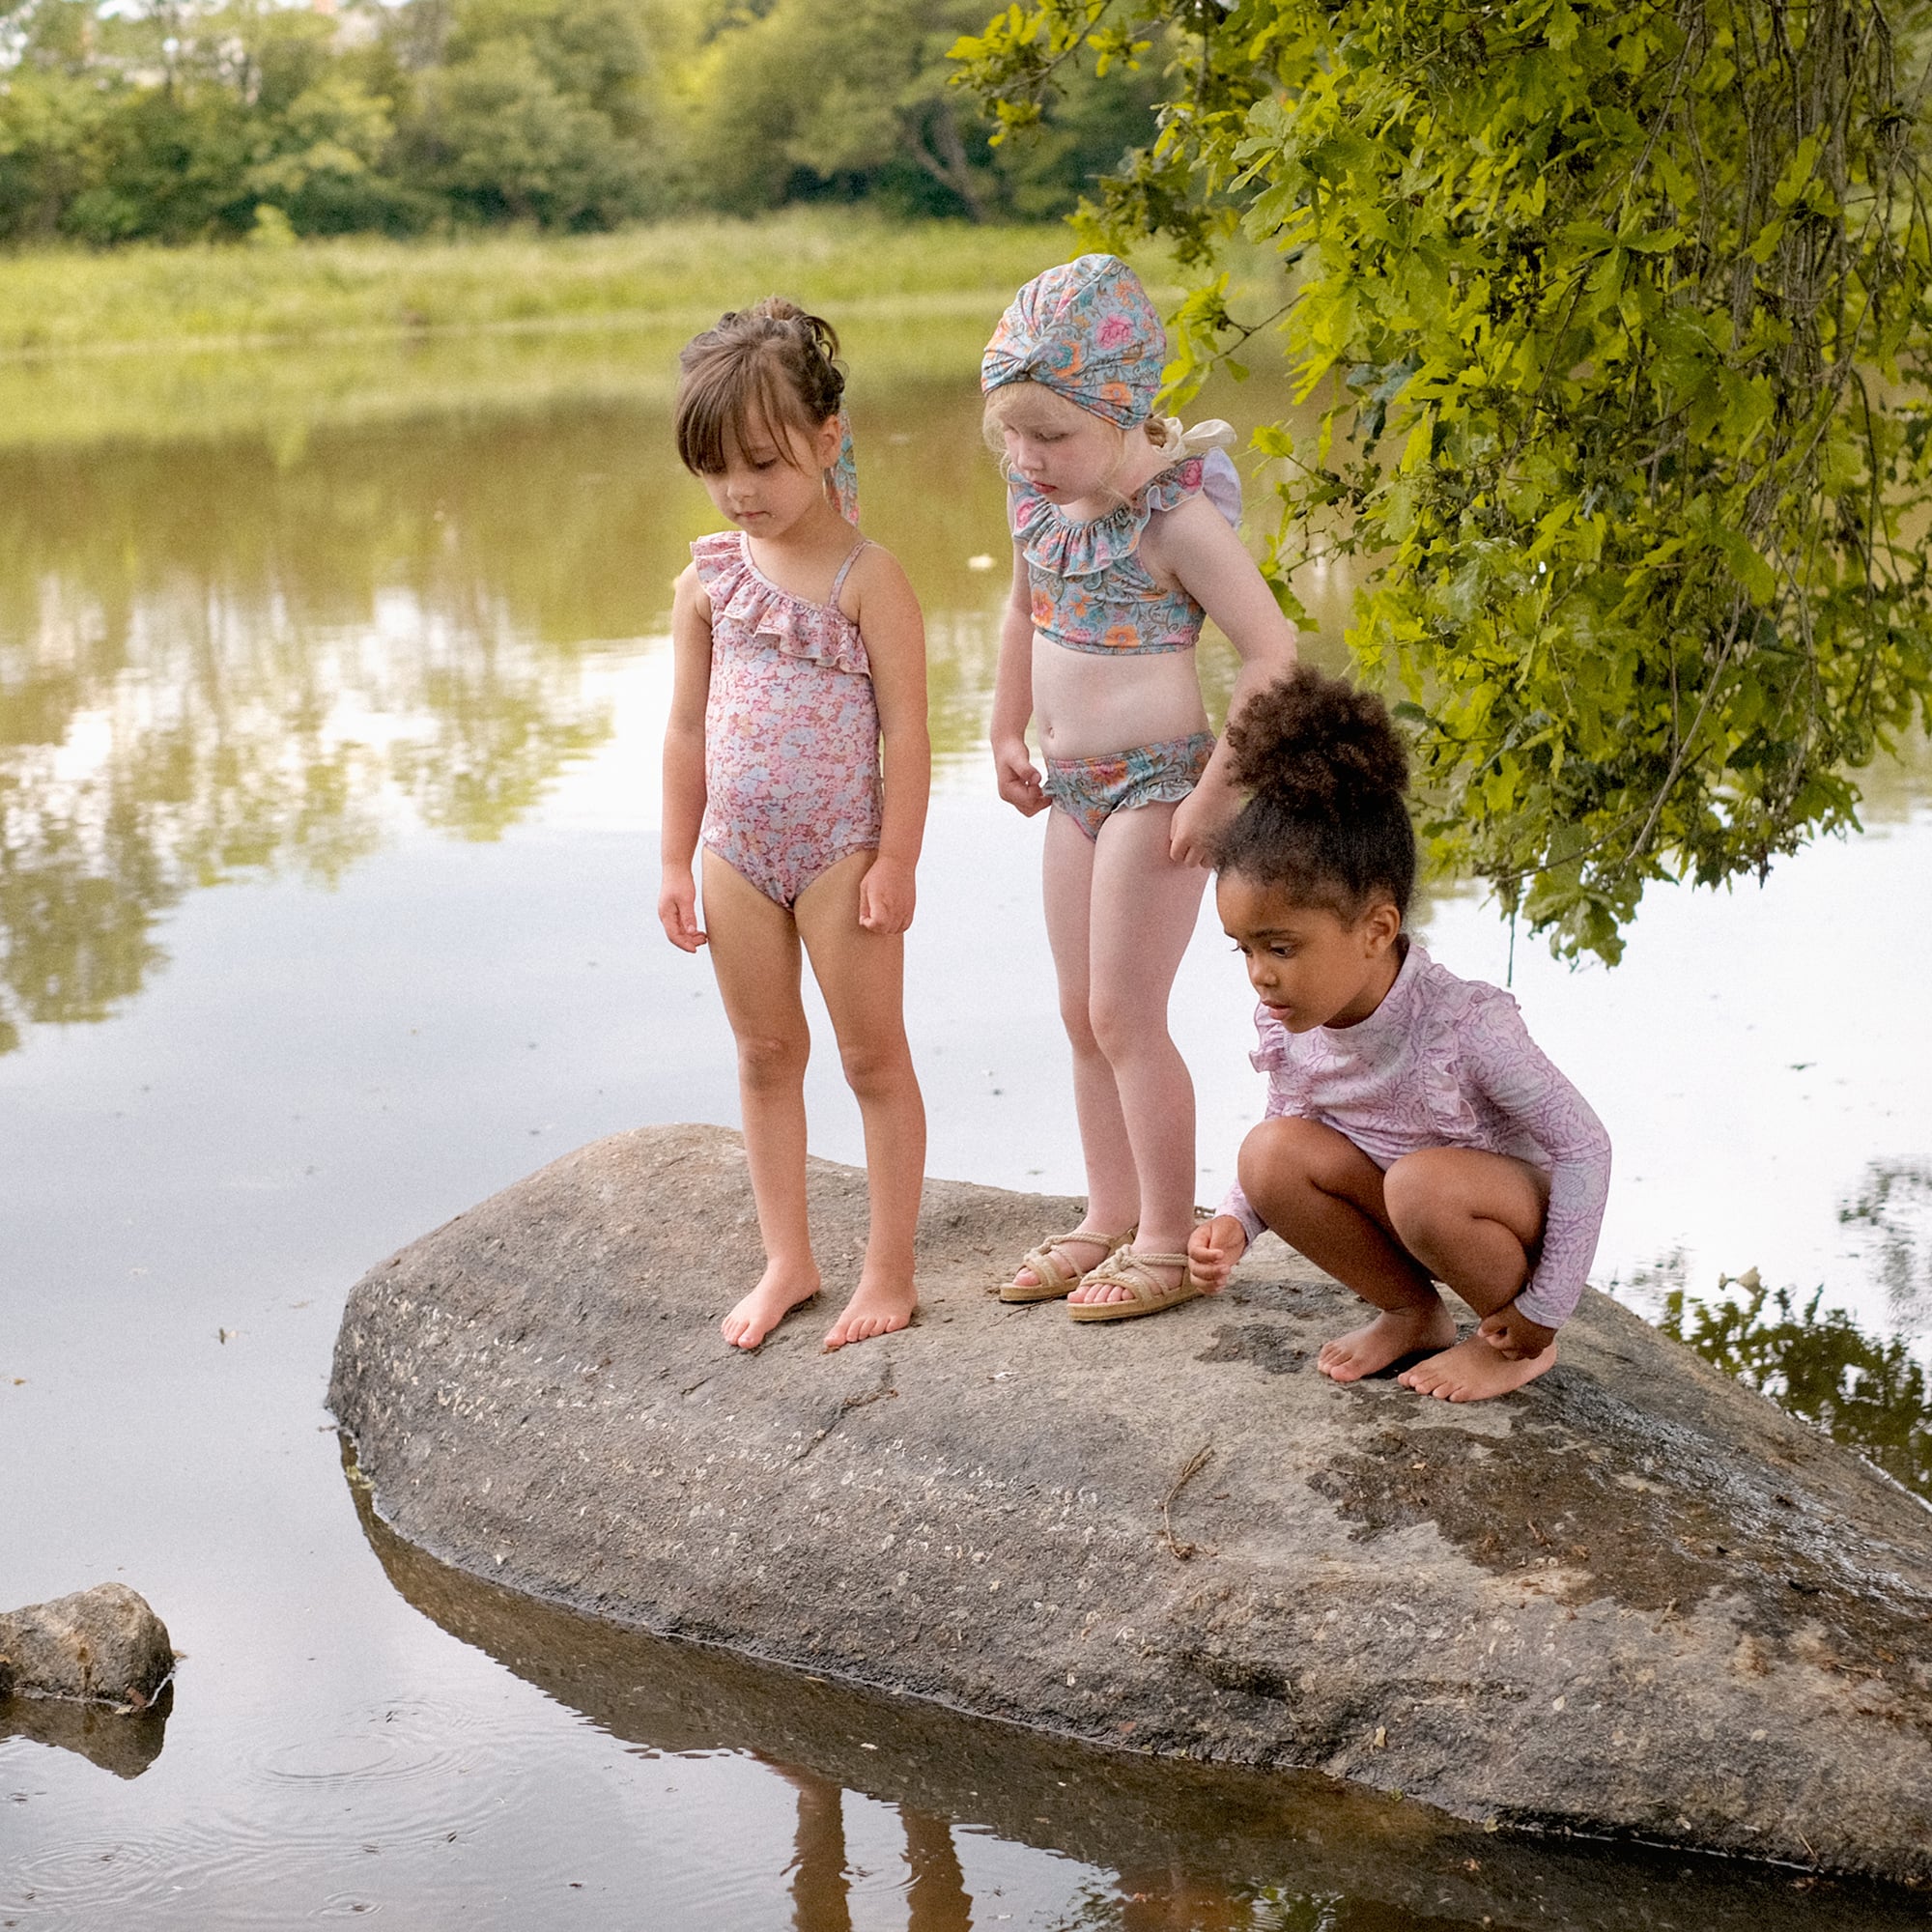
x: 1867, y: 1392
x: 1171, y: 1845
x: 216, y: 659
x: 1890, y: 1214
x: 125, y: 1743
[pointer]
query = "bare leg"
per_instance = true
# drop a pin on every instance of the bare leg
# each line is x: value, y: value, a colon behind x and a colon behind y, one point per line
x: 1113, y: 1187
x: 1318, y: 1190
x: 1473, y: 1219
x: 1141, y: 915
x: 820, y: 1890
x: 936, y: 1898
x: 861, y: 975
x: 756, y: 956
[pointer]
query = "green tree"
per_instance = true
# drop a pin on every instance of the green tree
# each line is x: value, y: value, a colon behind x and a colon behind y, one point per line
x: 856, y: 97
x: 535, y: 110
x: 1617, y: 322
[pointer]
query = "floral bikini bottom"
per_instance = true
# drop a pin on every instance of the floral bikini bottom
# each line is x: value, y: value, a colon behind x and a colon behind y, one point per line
x: 1090, y: 790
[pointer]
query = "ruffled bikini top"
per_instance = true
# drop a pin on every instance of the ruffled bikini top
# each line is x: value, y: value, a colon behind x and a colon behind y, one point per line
x: 746, y: 605
x: 1091, y: 591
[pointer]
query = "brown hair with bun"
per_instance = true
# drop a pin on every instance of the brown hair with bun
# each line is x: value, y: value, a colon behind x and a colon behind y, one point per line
x: 767, y: 368
x: 1326, y: 773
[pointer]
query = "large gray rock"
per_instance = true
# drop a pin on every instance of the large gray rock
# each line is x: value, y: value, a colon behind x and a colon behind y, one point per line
x: 1318, y: 1850
x: 1634, y: 1600
x: 102, y: 1645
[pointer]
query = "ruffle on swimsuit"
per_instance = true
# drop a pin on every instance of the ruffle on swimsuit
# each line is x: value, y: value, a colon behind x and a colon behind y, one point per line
x: 1091, y: 591
x: 791, y: 727
x: 747, y: 602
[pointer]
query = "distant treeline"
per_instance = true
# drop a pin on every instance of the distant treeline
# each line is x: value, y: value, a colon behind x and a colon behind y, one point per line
x: 176, y: 121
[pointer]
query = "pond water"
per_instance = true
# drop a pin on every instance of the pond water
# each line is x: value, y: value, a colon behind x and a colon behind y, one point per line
x: 328, y: 808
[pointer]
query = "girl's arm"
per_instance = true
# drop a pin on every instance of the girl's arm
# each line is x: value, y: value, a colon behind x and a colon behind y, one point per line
x: 1012, y: 698
x: 684, y: 760
x: 1514, y: 1073
x: 889, y: 619
x: 1194, y: 544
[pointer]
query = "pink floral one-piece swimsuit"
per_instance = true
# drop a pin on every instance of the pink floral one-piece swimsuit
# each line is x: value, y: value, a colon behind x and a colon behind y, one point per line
x: 791, y: 727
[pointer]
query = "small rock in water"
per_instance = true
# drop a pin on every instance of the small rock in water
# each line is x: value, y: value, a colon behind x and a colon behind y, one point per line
x: 102, y: 1645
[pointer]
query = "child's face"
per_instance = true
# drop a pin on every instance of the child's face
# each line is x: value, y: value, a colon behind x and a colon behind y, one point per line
x: 1309, y: 966
x: 774, y: 479
x: 1068, y: 455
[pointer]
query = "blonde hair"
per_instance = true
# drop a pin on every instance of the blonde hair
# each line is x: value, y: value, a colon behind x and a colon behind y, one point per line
x: 771, y: 366
x: 1027, y: 408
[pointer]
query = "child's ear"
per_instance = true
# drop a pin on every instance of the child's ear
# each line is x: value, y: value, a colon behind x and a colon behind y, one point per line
x: 1381, y: 926
x: 831, y: 433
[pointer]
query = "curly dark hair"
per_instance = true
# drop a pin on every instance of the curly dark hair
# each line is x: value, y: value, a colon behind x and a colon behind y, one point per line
x: 769, y: 366
x: 1328, y: 815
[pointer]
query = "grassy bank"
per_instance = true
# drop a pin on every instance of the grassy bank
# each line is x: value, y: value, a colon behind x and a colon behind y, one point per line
x: 155, y: 344
x: 63, y: 300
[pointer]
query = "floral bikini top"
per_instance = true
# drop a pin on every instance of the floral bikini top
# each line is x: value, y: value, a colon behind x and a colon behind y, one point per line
x: 1091, y: 591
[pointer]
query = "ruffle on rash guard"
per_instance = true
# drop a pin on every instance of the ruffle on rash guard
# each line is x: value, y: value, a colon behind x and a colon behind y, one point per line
x: 744, y: 601
x: 1091, y: 591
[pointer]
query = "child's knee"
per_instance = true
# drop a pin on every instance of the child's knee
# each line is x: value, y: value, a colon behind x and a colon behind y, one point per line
x: 1283, y: 1153
x: 1120, y: 1027
x: 874, y: 1069
x: 1420, y: 1196
x: 773, y: 1060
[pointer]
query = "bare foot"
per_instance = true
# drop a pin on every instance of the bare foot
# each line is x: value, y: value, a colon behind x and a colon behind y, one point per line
x: 1388, y: 1338
x: 1473, y: 1372
x: 1077, y: 1253
x: 778, y: 1293
x: 875, y: 1308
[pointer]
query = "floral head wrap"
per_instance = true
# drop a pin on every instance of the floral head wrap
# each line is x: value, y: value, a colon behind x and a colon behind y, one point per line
x: 841, y: 480
x: 1088, y: 331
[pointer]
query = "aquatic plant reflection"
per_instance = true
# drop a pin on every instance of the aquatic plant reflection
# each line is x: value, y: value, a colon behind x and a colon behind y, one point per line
x: 1868, y: 1394
x: 1890, y: 1215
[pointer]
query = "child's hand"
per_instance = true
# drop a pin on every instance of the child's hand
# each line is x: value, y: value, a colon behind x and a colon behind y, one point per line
x: 1019, y: 784
x: 886, y: 896
x: 1212, y: 1250
x: 677, y: 910
x: 1514, y: 1336
x: 1199, y: 820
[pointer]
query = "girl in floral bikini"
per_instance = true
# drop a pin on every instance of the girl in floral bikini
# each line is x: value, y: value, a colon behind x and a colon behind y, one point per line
x: 799, y: 648
x: 1124, y: 542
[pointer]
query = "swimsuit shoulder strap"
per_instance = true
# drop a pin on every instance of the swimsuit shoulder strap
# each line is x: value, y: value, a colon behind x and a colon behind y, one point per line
x: 845, y: 568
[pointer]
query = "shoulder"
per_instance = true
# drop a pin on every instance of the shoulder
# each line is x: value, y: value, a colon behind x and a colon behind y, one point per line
x: 876, y: 573
x: 877, y: 591
x: 1188, y: 512
x: 688, y: 593
x: 1439, y: 994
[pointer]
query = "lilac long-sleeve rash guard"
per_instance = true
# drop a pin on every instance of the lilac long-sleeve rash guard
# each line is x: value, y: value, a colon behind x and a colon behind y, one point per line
x: 1444, y: 1061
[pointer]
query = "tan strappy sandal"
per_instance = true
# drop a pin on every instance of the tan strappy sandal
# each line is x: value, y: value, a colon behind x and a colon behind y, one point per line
x: 1051, y: 1281
x: 1135, y: 1272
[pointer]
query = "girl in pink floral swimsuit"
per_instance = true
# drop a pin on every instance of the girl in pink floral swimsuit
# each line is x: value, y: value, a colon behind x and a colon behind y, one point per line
x: 1414, y: 1134
x: 800, y: 653
x: 1124, y: 544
